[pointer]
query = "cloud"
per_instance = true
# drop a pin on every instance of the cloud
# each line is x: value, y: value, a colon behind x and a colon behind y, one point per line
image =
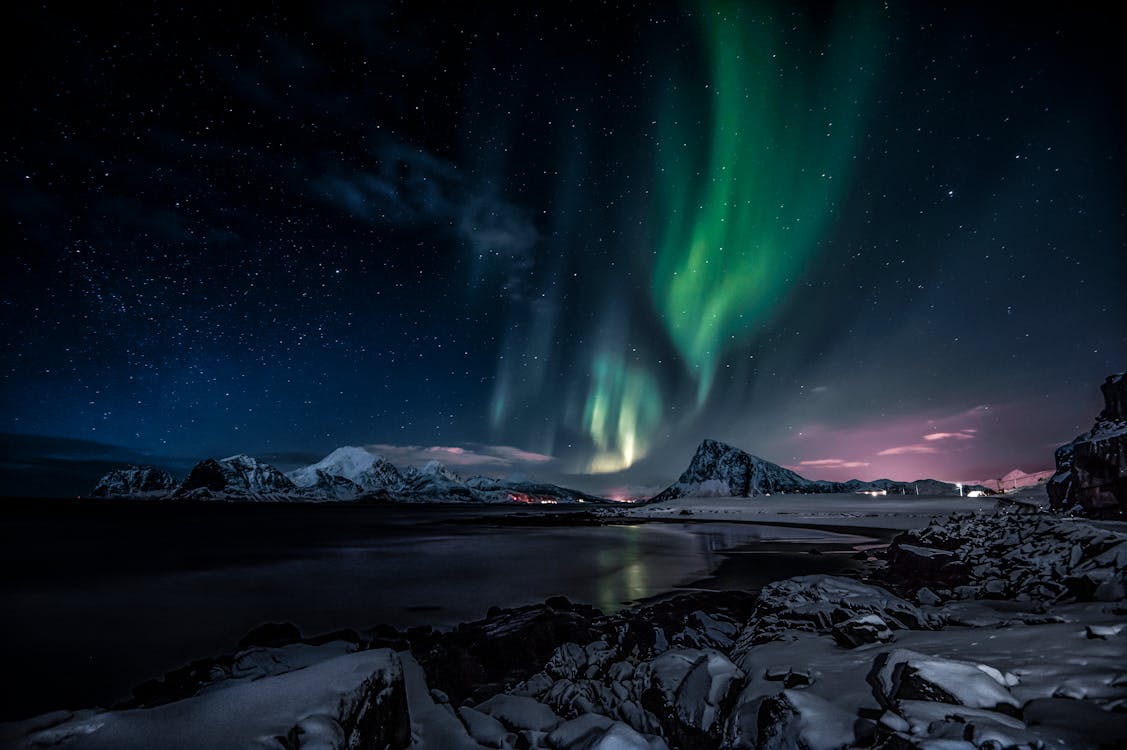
x: 482, y: 457
x: 960, y: 435
x: 409, y: 186
x: 901, y: 450
x: 833, y: 463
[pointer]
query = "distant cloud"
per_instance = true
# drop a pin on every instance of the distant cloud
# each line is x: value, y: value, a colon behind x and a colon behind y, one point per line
x: 482, y: 457
x: 833, y: 463
x: 928, y: 446
x: 901, y: 450
x: 960, y: 435
x: 409, y: 186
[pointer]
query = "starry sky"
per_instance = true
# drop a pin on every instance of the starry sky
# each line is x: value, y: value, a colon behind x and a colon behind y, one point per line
x: 857, y: 239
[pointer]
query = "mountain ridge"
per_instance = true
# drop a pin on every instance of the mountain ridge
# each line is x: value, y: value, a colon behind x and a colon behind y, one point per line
x: 718, y: 469
x: 349, y: 473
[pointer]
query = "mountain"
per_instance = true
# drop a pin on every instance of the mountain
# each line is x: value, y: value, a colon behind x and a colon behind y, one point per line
x: 358, y: 465
x: 238, y: 478
x: 1091, y: 476
x: 434, y: 479
x: 348, y: 473
x: 136, y: 481
x: 333, y: 487
x: 720, y: 470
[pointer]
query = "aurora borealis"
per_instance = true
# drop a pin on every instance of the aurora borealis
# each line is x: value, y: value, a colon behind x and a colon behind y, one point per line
x: 745, y: 210
x: 560, y: 242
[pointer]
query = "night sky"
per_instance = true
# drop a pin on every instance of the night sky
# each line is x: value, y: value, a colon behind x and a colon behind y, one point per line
x: 857, y: 240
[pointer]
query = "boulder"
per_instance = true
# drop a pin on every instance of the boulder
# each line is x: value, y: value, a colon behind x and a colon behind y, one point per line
x: 862, y: 630
x: 905, y: 675
x: 1091, y: 476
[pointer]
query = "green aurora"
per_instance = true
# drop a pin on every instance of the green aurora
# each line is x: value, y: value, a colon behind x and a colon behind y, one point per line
x: 750, y: 165
x: 743, y: 214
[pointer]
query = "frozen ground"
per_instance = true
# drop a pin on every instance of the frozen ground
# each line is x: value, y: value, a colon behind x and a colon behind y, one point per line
x: 886, y: 512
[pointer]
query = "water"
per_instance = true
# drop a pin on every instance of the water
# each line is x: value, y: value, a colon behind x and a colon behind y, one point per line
x: 101, y: 596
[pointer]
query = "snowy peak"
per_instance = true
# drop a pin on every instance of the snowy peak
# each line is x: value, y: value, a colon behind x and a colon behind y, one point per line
x: 720, y: 469
x: 357, y: 465
x: 438, y: 470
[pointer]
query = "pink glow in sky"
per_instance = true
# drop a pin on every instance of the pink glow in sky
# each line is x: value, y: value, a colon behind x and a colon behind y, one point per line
x: 940, y: 446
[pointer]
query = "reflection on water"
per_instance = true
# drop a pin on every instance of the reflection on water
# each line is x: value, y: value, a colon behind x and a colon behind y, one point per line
x: 87, y: 627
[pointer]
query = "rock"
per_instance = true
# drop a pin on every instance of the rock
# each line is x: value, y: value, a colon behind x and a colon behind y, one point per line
x: 1104, y: 632
x: 902, y: 675
x: 519, y: 712
x: 1091, y: 472
x: 789, y: 677
x: 862, y: 630
x: 792, y: 719
x: 927, y: 597
x: 483, y: 728
x: 1034, y: 558
x: 687, y: 690
x: 342, y: 702
x: 819, y: 602
x: 595, y: 732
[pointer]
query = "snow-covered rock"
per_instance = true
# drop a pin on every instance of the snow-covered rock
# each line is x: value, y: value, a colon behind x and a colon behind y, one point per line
x: 341, y: 702
x: 135, y: 481
x: 1091, y: 474
x: 818, y: 603
x: 1027, y: 557
x: 902, y: 674
x: 518, y: 712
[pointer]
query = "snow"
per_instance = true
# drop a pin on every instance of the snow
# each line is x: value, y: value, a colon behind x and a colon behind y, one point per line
x: 848, y: 510
x: 520, y: 712
x: 348, y: 461
x: 322, y: 703
x: 434, y: 726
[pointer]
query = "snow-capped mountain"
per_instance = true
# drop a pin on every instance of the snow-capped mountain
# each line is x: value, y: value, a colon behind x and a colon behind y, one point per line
x: 237, y: 477
x: 348, y: 473
x: 136, y: 481
x: 718, y: 469
x: 358, y: 465
x: 433, y: 478
x: 332, y: 487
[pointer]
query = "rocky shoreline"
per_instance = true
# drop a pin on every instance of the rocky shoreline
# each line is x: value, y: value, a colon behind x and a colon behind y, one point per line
x: 989, y: 630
